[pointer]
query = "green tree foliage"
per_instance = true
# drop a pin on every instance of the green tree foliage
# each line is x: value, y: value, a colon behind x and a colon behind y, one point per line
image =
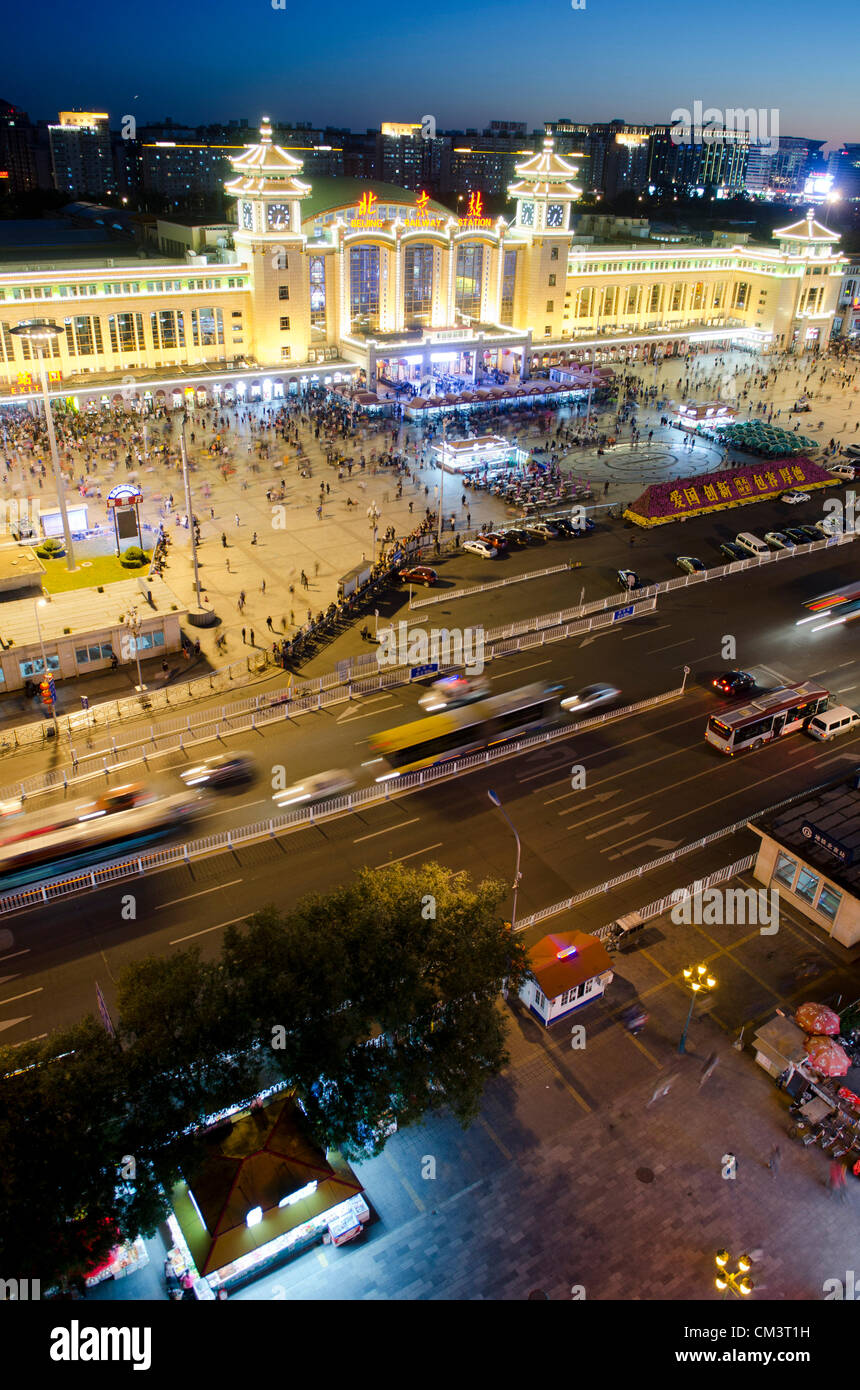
x: 378, y: 1002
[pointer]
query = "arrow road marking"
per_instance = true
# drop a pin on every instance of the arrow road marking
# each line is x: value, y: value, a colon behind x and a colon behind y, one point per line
x: 13, y: 1022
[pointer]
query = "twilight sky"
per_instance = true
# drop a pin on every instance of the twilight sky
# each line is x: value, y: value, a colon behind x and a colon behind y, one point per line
x: 465, y: 61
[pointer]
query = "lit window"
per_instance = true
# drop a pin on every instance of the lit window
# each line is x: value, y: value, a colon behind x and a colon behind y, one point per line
x: 785, y: 870
x: 807, y: 885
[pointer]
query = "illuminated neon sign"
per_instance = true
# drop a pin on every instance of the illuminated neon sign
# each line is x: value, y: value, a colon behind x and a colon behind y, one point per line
x: 24, y: 384
x: 475, y: 216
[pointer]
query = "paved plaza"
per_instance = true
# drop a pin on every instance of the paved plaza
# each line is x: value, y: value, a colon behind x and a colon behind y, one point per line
x: 328, y: 544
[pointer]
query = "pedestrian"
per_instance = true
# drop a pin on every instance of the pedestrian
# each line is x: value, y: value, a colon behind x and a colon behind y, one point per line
x: 237, y: 518
x: 836, y: 1180
x: 774, y: 1160
x: 224, y: 539
x: 262, y: 586
x: 663, y: 1087
x: 164, y: 669
x: 243, y: 636
x: 252, y: 643
x: 707, y: 1069
x: 269, y: 624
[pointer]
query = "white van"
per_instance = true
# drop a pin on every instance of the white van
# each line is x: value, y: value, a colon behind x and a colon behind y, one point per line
x: 751, y: 544
x: 842, y: 470
x: 833, y: 722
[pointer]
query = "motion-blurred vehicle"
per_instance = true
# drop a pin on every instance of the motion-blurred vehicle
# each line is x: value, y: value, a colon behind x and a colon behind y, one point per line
x: 734, y: 682
x: 222, y: 770
x: 582, y: 528
x: 731, y: 551
x: 794, y: 499
x: 589, y: 698
x: 482, y: 548
x: 419, y: 574
x: 629, y: 579
x: 690, y: 564
x: 800, y: 407
x: 452, y: 691
x: 315, y: 788
x: 852, y: 451
x: 779, y: 540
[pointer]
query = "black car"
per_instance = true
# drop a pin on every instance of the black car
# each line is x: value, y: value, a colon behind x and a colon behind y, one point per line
x: 810, y: 533
x: 562, y: 525
x: 798, y: 535
x: 733, y: 551
x: 513, y: 536
x: 582, y: 528
x: 734, y: 682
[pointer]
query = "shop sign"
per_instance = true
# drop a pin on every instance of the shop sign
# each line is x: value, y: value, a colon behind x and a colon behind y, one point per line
x: 24, y: 384
x: 843, y: 853
x: 365, y: 218
x: 475, y: 216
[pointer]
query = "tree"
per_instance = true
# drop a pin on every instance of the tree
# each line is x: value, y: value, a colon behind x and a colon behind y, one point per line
x: 381, y: 996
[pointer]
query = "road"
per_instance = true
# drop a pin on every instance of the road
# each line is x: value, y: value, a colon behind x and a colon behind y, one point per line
x: 651, y: 783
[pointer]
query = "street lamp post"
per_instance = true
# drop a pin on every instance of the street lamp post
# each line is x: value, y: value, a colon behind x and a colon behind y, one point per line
x: 698, y: 981
x: 132, y: 623
x: 188, y: 512
x: 496, y: 800
x: 39, y: 333
x: 37, y: 604
x: 733, y: 1281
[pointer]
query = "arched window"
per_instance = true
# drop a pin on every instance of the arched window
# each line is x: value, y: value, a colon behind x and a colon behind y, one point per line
x: 417, y: 282
x: 364, y: 286
x: 469, y: 279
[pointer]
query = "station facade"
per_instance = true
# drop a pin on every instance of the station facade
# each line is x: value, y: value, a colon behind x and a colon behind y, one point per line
x: 325, y: 284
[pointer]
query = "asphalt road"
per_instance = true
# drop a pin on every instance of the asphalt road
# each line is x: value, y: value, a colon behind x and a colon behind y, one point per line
x: 651, y: 784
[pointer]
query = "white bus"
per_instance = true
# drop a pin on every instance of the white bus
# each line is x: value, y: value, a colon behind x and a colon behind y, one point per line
x: 767, y: 717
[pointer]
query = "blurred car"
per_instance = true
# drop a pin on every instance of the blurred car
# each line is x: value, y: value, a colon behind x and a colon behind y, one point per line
x: 514, y: 536
x: 562, y: 526
x: 481, y: 548
x: 629, y: 579
x: 583, y: 527
x: 315, y: 788
x: 589, y: 698
x: 734, y: 682
x: 732, y: 551
x: 452, y: 691
x: 810, y: 532
x: 794, y: 498
x: 13, y: 807
x: 689, y: 564
x: 852, y: 451
x: 779, y: 540
x: 829, y: 526
x: 220, y: 771
x: 495, y: 539
x: 419, y: 574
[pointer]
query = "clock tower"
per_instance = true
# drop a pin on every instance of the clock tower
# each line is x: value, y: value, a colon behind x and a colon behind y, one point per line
x: 544, y: 191
x: 269, y: 238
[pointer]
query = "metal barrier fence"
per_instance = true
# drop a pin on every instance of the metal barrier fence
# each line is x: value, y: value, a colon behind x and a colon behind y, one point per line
x: 228, y: 840
x: 255, y: 712
x: 492, y: 584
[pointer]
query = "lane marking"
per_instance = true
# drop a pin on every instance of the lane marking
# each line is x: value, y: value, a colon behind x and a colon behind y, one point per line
x: 387, y: 831
x: 647, y: 632
x: 349, y: 716
x: 26, y: 995
x: 213, y: 814
x: 518, y: 669
x: 12, y: 954
x: 202, y: 894
x: 40, y: 1036
x: 686, y: 642
x: 233, y: 920
x: 13, y: 1022
x: 603, y: 752
x: 425, y: 850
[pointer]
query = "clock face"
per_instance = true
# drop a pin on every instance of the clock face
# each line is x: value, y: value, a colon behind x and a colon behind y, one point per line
x: 278, y: 216
x: 247, y: 216
x: 555, y: 215
x: 527, y: 214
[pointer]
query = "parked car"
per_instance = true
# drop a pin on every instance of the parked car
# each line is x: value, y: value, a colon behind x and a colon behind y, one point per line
x: 794, y: 499
x: 842, y: 470
x: 732, y: 551
x: 419, y: 574
x: 563, y: 526
x: 689, y: 564
x: 582, y: 528
x: 810, y: 532
x: 482, y: 548
x: 515, y: 536
x: 542, y: 528
x: 220, y: 771
x: 629, y: 579
x: 315, y: 788
x: 589, y: 698
x: 829, y: 526
x: 779, y: 540
x: 798, y: 535
x: 495, y: 539
x: 734, y: 682
x: 852, y: 451
x: 452, y: 691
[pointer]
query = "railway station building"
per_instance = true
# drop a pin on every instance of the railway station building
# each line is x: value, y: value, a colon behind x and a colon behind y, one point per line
x: 337, y: 280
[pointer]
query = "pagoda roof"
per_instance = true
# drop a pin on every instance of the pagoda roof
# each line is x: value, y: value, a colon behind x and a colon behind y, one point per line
x: 267, y: 168
x: 807, y: 229
x: 546, y: 166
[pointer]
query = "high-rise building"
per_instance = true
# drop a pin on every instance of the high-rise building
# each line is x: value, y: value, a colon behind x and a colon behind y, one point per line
x: 81, y: 154
x: 844, y: 166
x: 18, y: 160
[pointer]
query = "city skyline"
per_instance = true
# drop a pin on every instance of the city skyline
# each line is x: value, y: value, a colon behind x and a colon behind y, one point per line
x: 282, y: 64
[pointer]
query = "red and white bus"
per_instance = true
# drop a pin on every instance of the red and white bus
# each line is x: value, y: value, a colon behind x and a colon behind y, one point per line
x: 767, y: 717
